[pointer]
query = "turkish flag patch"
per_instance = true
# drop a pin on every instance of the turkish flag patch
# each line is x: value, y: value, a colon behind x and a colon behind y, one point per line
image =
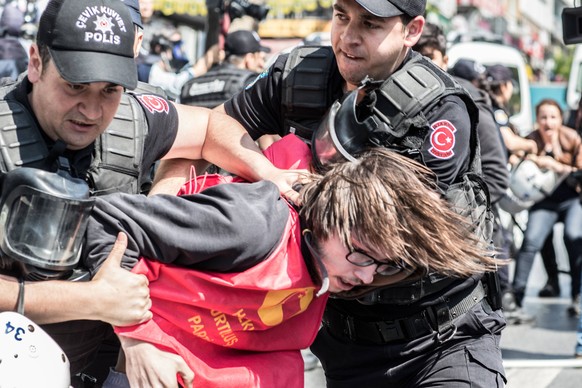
x: 442, y: 139
x: 154, y: 103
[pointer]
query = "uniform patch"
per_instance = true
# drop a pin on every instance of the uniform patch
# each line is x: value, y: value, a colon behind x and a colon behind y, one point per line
x: 442, y: 139
x: 105, y: 19
x: 501, y: 117
x: 153, y: 103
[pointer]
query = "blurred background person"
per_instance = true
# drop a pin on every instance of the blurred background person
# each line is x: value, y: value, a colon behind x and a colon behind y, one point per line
x: 498, y: 83
x: 167, y: 66
x: 558, y: 151
x: 244, y: 60
x: 13, y: 55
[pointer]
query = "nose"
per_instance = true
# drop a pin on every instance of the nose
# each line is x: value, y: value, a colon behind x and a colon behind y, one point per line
x: 350, y: 33
x: 90, y: 107
x: 366, y: 274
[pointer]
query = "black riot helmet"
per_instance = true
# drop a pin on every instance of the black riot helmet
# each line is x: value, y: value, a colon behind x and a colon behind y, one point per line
x: 346, y: 130
x: 43, y: 218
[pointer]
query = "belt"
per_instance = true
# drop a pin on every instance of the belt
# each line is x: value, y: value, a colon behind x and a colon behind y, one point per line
x: 437, y: 318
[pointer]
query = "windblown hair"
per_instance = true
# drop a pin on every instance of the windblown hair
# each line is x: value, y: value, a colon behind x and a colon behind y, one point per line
x: 388, y: 203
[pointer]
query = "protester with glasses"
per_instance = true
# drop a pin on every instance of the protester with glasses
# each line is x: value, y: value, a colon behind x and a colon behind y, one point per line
x: 239, y: 276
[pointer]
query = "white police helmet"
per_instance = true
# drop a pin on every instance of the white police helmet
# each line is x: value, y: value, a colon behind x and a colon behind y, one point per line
x: 528, y: 184
x: 29, y: 357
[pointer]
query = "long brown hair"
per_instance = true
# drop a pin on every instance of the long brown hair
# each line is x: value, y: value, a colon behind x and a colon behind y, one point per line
x: 389, y: 204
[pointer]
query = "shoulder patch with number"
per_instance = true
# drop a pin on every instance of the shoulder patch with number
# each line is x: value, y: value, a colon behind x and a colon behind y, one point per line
x: 442, y: 139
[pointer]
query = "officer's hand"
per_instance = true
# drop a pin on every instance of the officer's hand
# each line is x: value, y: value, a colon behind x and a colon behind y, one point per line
x: 148, y: 366
x: 287, y: 181
x: 122, y: 298
x: 532, y: 147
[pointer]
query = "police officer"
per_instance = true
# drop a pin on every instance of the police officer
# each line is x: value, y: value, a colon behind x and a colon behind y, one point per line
x: 497, y: 82
x: 432, y: 44
x: 469, y: 74
x: 13, y: 56
x: 67, y: 107
x: 244, y: 60
x: 434, y: 329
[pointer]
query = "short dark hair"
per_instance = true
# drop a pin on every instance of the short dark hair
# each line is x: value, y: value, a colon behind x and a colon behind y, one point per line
x: 45, y: 55
x: 433, y: 37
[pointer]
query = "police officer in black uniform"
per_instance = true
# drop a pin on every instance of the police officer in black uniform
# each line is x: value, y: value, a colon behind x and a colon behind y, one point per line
x: 469, y: 74
x: 497, y: 82
x: 433, y: 330
x: 70, y: 106
x: 244, y: 60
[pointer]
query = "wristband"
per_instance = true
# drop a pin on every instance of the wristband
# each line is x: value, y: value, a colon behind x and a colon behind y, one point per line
x: 20, y: 304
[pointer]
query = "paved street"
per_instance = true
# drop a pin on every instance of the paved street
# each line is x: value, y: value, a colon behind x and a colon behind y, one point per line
x: 538, y: 355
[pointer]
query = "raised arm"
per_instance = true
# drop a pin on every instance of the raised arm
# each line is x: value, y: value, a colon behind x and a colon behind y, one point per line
x: 220, y: 140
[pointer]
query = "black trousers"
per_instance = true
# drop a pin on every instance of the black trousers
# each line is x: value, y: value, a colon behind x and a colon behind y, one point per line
x: 470, y: 358
x: 91, y: 346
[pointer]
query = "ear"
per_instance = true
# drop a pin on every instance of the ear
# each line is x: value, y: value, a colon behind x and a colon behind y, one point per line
x: 249, y: 57
x: 34, y: 64
x: 413, y: 31
x: 138, y: 42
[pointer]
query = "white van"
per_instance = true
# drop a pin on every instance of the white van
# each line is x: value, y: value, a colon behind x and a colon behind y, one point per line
x: 492, y: 54
x: 575, y: 80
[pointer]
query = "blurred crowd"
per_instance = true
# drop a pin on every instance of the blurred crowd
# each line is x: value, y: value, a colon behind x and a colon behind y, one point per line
x: 163, y: 60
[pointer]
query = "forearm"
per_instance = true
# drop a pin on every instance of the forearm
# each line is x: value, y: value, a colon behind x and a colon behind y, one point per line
x: 549, y: 163
x: 221, y: 140
x: 238, y: 153
x: 49, y: 301
x: 516, y: 143
x: 173, y: 173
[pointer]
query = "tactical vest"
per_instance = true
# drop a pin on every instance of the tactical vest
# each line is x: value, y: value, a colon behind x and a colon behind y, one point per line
x: 216, y: 86
x: 306, y: 92
x: 402, y: 103
x: 116, y: 162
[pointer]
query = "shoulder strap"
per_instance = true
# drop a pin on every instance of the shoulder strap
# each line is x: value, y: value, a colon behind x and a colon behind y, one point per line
x: 404, y: 99
x: 21, y: 142
x: 116, y: 165
x: 144, y: 88
x: 306, y: 92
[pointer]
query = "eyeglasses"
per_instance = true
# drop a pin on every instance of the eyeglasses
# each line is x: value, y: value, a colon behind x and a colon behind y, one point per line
x: 360, y: 258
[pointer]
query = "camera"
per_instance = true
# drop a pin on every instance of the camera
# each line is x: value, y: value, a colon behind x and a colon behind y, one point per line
x: 572, y: 25
x: 239, y: 8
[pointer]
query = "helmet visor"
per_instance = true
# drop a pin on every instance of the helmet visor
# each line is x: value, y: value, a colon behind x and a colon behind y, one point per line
x: 44, y: 231
x: 43, y: 218
x: 340, y: 136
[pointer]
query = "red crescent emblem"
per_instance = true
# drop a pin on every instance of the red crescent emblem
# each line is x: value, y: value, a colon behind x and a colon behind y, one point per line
x: 154, y: 103
x: 442, y: 139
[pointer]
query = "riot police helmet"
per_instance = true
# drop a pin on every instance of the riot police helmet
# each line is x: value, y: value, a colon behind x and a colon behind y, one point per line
x: 43, y: 218
x: 29, y: 357
x: 345, y: 130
